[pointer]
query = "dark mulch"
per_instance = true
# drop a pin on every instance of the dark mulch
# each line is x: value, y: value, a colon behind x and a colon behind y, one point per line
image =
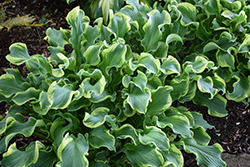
x: 232, y: 131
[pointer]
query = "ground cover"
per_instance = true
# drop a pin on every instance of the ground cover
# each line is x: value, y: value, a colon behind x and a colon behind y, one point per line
x: 232, y: 131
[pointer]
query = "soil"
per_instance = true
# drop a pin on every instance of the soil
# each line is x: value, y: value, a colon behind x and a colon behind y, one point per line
x: 231, y: 132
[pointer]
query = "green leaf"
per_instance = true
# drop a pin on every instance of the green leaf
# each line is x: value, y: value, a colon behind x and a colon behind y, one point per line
x: 60, y: 96
x: 152, y: 29
x: 119, y: 24
x: 155, y: 136
x: 18, y: 54
x: 241, y: 88
x: 25, y: 128
x: 138, y: 100
x: 92, y: 55
x: 46, y: 158
x: 174, y: 38
x: 197, y: 66
x: 90, y: 89
x: 73, y: 151
x: 30, y: 94
x: 177, y: 121
x: 148, y: 61
x: 244, y: 47
x: 170, y: 65
x: 55, y: 37
x: 15, y: 157
x: 188, y: 12
x: 225, y: 59
x: 127, y: 131
x: 78, y: 22
x: 173, y: 157
x: 160, y: 100
x: 143, y: 155
x: 180, y: 88
x: 43, y: 105
x: 205, y: 85
x: 200, y: 136
x: 100, y: 137
x: 190, y: 93
x: 200, y: 122
x: 113, y: 56
x: 97, y: 117
x: 139, y: 81
x: 9, y: 85
x: 216, y: 106
x: 205, y: 155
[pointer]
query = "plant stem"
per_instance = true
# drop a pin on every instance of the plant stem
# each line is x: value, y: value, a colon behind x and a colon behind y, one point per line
x: 37, y: 134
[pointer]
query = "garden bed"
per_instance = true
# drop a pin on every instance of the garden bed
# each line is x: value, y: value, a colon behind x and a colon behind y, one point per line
x: 231, y: 132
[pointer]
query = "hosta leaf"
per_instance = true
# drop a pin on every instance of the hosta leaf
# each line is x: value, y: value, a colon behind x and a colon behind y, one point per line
x: 18, y: 54
x: 10, y: 117
x: 225, y: 59
x: 140, y: 81
x: 200, y: 136
x: 155, y: 136
x: 138, y: 100
x: 219, y: 84
x: 180, y: 88
x: 38, y: 64
x: 134, y: 14
x: 188, y: 12
x: 97, y: 117
x: 190, y: 93
x: 199, y: 121
x: 161, y: 51
x: 245, y: 45
x: 213, y: 7
x: 30, y: 94
x: 114, y: 56
x: 100, y: 137
x: 55, y: 37
x: 43, y: 105
x: 119, y: 24
x: 72, y: 151
x: 173, y: 156
x: 205, y: 85
x: 152, y: 29
x: 25, y: 128
x: 178, y: 122
x: 9, y: 85
x: 143, y: 155
x: 127, y: 131
x: 170, y: 65
x: 89, y: 89
x: 77, y: 20
x: 148, y: 61
x: 92, y: 55
x: 46, y: 158
x: 91, y: 34
x: 216, y: 106
x: 241, y: 88
x: 174, y: 38
x: 160, y: 100
x: 60, y: 96
x: 205, y: 155
x: 197, y: 66
x: 15, y: 157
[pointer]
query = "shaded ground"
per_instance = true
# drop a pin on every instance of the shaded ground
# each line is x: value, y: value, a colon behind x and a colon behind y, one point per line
x: 232, y: 131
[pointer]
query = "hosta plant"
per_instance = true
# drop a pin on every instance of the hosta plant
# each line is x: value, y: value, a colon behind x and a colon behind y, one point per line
x: 107, y: 101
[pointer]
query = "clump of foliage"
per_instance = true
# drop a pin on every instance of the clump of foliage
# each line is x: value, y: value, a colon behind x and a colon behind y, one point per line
x: 108, y: 102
